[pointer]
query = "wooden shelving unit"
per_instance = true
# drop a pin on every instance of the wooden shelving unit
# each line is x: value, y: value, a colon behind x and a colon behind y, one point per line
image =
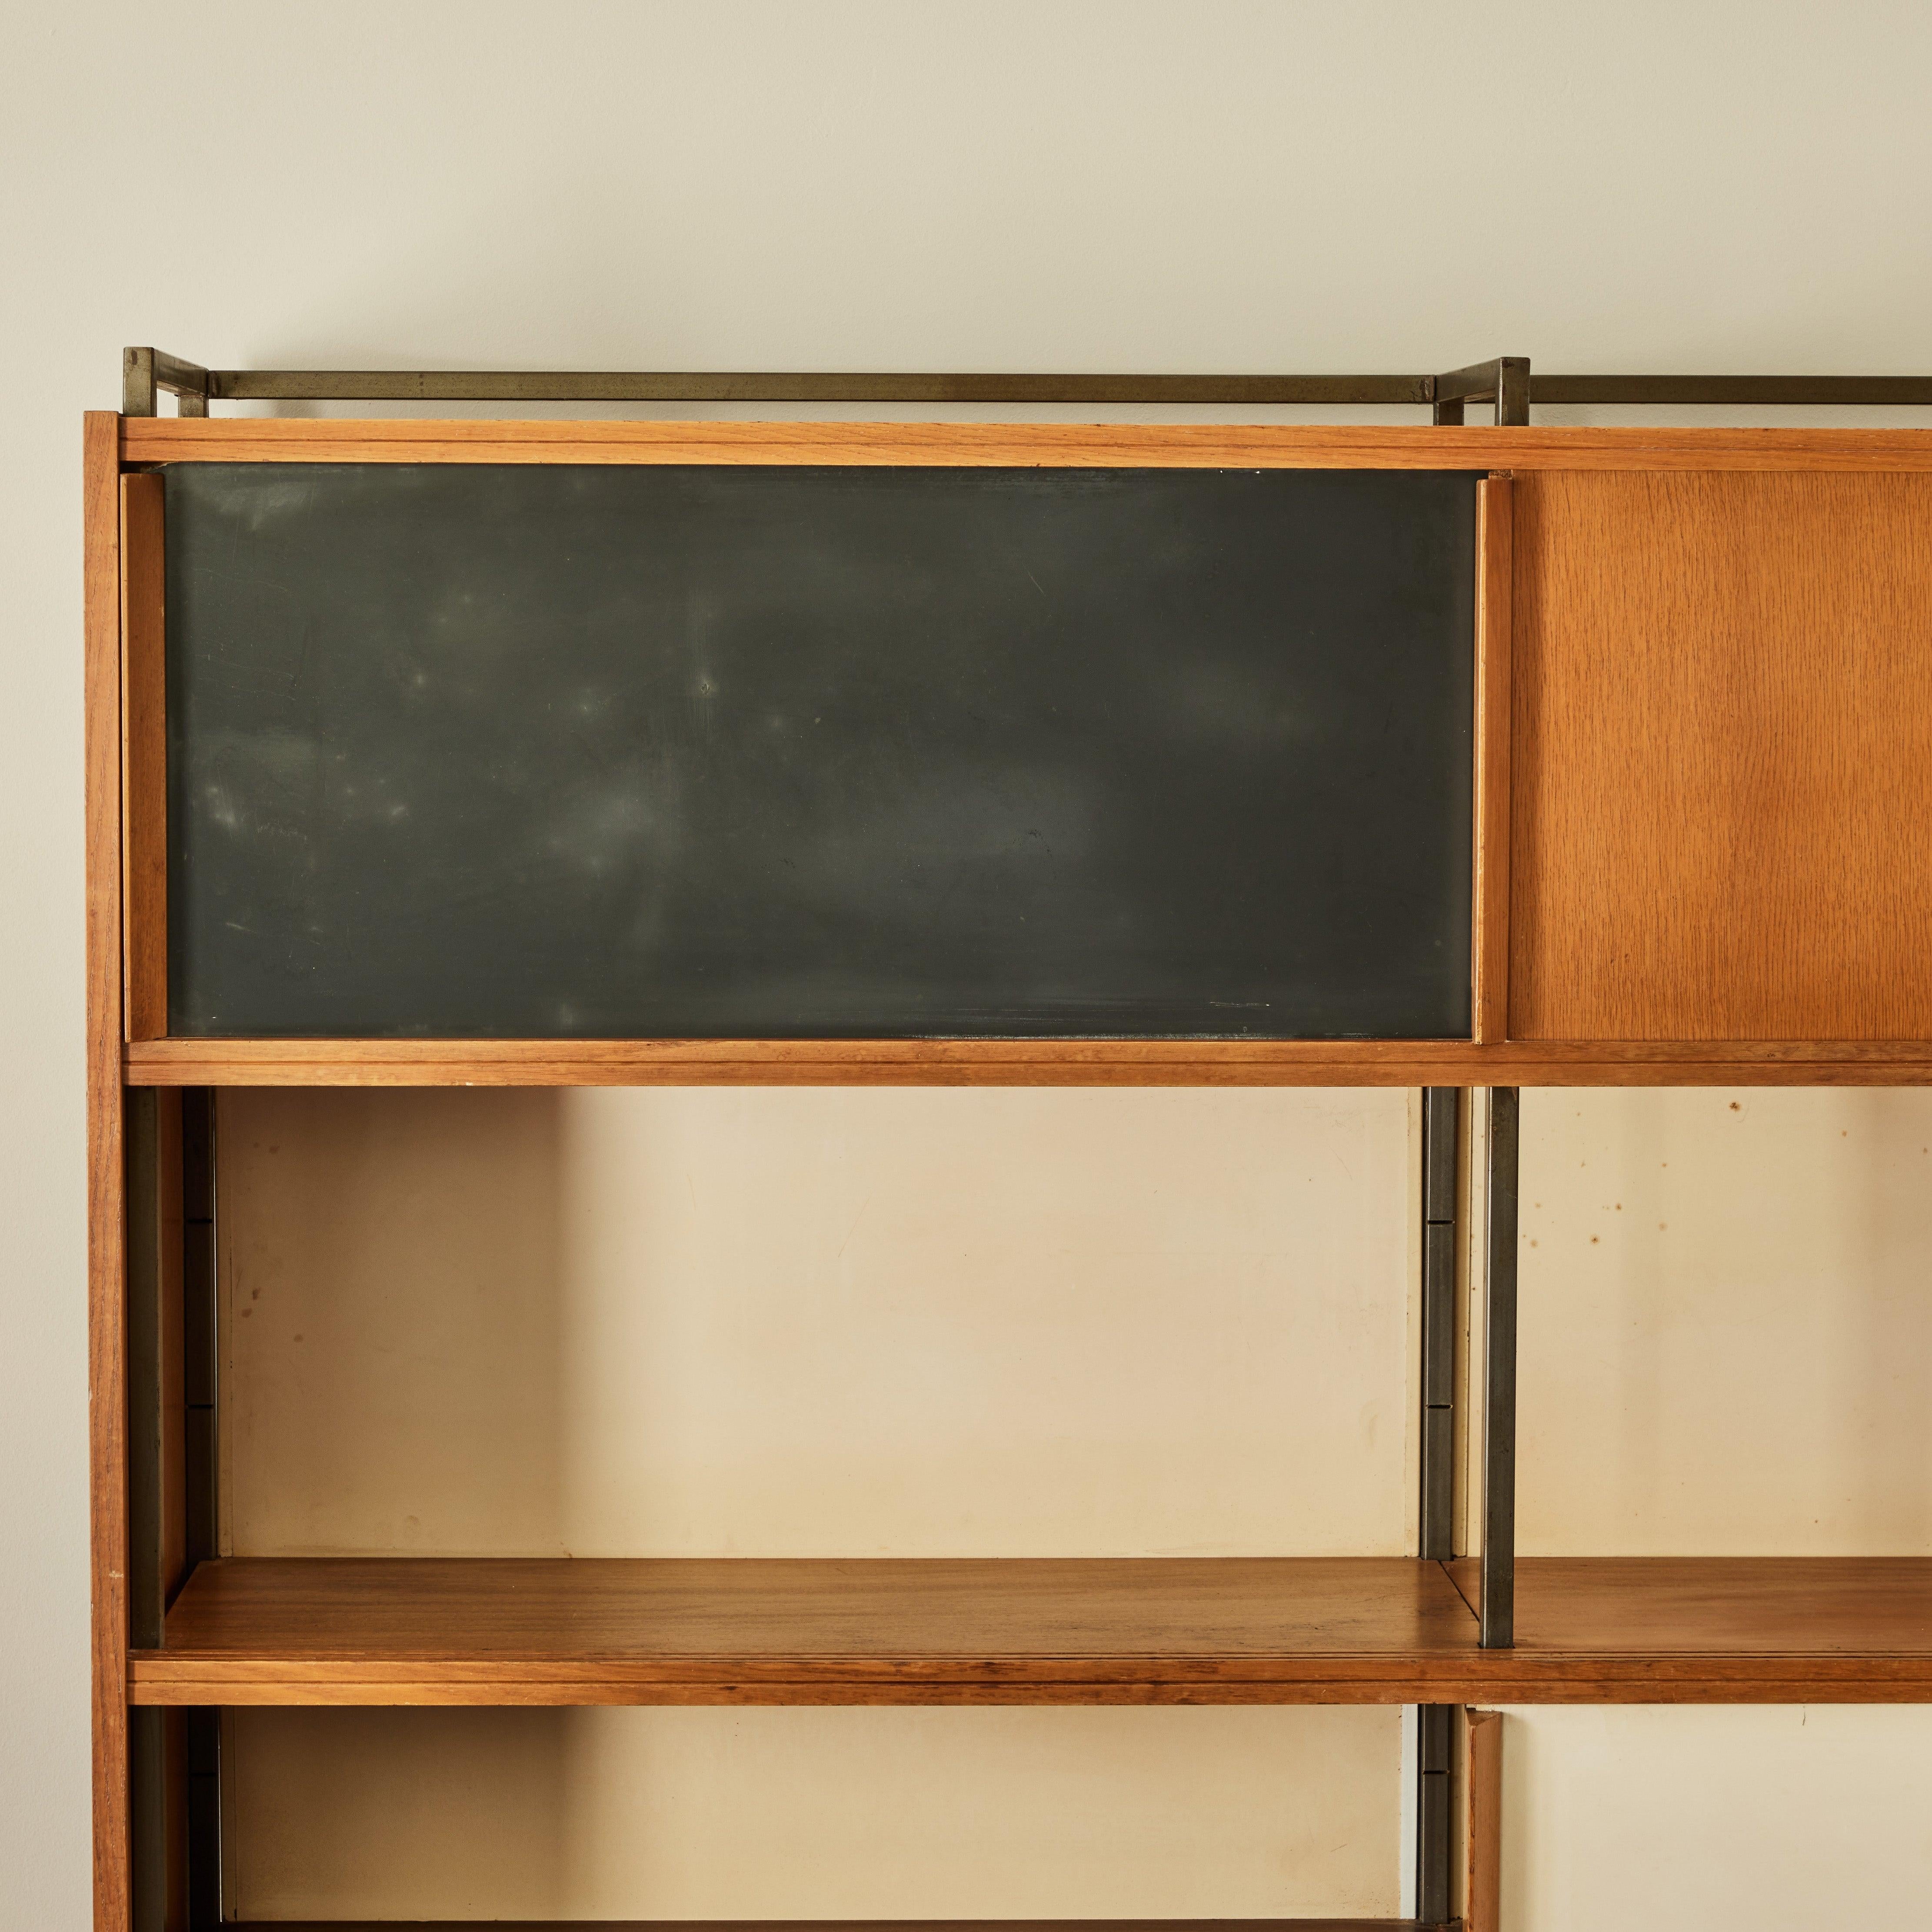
x: 1740, y: 979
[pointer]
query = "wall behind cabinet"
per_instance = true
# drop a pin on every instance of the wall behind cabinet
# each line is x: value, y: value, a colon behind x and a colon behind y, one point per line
x: 780, y: 1323
x: 773, y: 1813
x: 1725, y: 1336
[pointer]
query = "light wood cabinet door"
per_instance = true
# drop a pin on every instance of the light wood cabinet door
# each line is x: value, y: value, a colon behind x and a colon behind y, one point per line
x: 1722, y: 754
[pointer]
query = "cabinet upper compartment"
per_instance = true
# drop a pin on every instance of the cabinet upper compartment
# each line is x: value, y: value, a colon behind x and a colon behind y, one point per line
x: 1013, y: 753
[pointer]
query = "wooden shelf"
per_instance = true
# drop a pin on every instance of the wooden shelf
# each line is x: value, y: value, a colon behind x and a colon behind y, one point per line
x: 848, y: 1925
x: 754, y: 1631
x: 1005, y: 1062
x: 1235, y: 1630
x: 1705, y: 1630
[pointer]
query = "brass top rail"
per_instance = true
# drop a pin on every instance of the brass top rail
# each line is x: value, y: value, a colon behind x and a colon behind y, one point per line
x: 1505, y: 382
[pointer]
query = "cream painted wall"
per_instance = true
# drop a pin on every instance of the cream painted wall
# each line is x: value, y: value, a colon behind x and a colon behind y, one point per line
x: 1725, y: 1333
x: 819, y: 1323
x: 990, y: 184
x: 818, y: 1814
x: 1777, y: 1819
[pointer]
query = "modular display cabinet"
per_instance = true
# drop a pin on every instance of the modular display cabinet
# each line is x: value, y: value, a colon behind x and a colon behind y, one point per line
x: 1656, y: 814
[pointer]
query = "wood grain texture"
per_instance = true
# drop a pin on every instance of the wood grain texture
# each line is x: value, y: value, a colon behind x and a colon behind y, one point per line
x: 1714, y: 1630
x: 266, y: 439
x: 519, y: 1063
x: 106, y: 1231
x: 1482, y: 1835
x: 1490, y: 948
x: 1235, y: 1630
x: 1722, y: 783
x: 144, y: 757
x: 663, y: 1631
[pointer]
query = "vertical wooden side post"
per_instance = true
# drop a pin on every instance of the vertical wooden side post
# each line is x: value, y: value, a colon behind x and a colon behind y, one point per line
x: 1483, y: 1786
x: 1495, y: 562
x: 144, y: 754
x: 107, y: 1234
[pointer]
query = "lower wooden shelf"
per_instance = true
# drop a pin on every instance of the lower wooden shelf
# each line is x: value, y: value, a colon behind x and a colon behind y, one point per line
x: 851, y: 1925
x: 1715, y: 1630
x: 759, y: 1631
x: 1231, y: 1630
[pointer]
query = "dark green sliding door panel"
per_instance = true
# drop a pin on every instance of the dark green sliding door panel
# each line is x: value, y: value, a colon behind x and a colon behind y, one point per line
x: 520, y: 750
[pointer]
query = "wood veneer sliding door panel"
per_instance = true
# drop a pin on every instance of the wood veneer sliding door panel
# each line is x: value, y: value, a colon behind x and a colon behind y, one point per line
x: 1723, y: 772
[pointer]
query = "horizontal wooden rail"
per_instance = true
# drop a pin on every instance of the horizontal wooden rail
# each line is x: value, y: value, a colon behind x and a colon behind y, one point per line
x: 1061, y: 445
x: 599, y: 1063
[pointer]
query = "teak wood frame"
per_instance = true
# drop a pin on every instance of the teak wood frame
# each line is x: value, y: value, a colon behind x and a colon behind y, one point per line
x: 126, y: 951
